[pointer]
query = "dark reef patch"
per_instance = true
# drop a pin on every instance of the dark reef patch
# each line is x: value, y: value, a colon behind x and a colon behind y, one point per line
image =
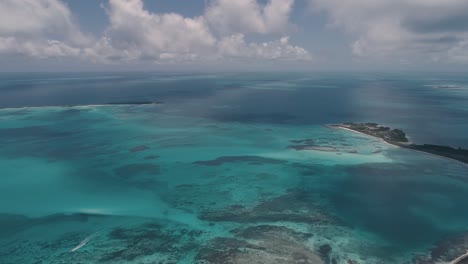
x: 69, y: 240
x: 251, y: 160
x: 262, y: 231
x: 324, y: 252
x: 223, y: 250
x: 450, y: 249
x: 150, y: 239
x: 139, y: 148
x: 151, y: 157
x: 319, y: 145
x: 446, y: 250
x: 303, y: 144
x: 307, y: 141
x: 314, y: 147
x: 266, y: 244
x: 294, y: 206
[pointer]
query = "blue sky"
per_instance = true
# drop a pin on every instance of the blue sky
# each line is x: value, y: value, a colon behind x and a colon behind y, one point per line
x: 233, y: 34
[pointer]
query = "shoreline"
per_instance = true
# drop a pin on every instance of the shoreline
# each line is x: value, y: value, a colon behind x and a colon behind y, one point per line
x: 397, y: 145
x: 460, y: 258
x: 77, y: 106
x: 364, y: 134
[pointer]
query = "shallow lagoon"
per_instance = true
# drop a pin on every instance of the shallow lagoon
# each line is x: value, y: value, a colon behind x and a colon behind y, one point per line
x: 165, y: 184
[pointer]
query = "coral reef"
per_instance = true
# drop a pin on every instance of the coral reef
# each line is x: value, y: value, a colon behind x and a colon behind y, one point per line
x: 252, y: 160
x: 139, y: 148
x: 263, y: 244
x: 293, y: 206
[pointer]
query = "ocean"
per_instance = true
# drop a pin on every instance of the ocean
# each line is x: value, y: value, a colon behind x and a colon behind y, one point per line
x: 230, y: 168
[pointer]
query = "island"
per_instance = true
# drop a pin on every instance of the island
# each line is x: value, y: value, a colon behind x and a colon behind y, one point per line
x: 134, y: 103
x: 398, y: 138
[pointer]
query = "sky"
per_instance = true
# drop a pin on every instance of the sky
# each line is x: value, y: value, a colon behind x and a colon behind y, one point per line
x: 95, y: 35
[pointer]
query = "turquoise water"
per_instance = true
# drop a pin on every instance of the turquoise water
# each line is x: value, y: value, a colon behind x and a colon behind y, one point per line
x: 213, y: 174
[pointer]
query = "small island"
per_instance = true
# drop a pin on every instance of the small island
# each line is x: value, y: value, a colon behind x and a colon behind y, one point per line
x: 134, y: 103
x: 398, y: 138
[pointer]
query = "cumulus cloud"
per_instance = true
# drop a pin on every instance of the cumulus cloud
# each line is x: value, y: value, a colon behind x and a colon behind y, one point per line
x: 39, y: 28
x: 419, y: 28
x: 37, y: 48
x: 246, y: 16
x: 235, y: 46
x: 37, y: 17
x: 46, y: 28
x: 131, y: 25
x: 144, y: 35
x: 135, y: 33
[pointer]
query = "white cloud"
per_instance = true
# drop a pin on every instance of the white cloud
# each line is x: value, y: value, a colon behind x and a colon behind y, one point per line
x: 166, y: 32
x: 35, y: 17
x: 144, y: 35
x: 39, y: 28
x: 46, y: 28
x: 137, y: 34
x: 235, y: 46
x: 39, y: 49
x: 404, y: 28
x: 246, y: 16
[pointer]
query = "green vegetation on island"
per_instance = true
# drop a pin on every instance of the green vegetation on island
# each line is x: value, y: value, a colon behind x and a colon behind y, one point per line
x: 398, y: 137
x: 383, y: 132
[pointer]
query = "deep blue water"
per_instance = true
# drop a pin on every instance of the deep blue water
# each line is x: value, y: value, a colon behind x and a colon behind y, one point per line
x: 432, y: 107
x: 173, y: 182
